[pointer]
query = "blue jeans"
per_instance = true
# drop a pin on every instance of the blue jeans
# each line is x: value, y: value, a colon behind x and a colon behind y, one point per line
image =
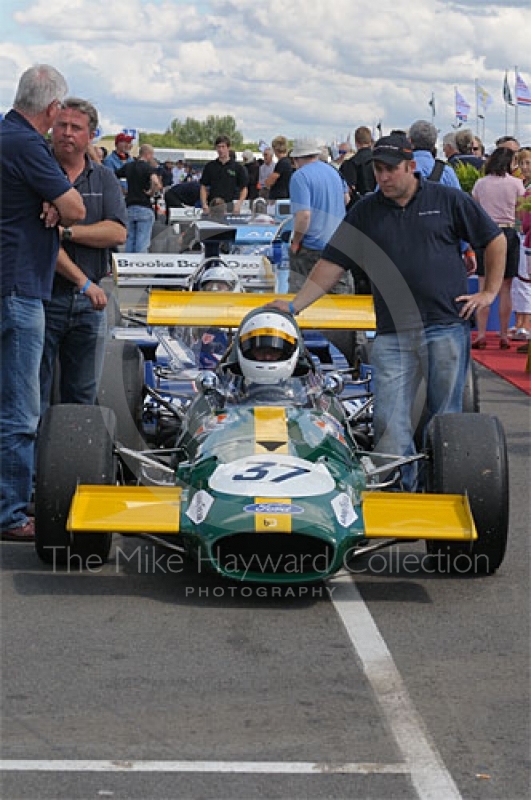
x: 22, y: 342
x: 140, y: 221
x: 440, y: 354
x: 75, y: 333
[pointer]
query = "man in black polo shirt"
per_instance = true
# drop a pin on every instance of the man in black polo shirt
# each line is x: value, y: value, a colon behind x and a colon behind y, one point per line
x: 224, y: 177
x: 406, y: 237
x: 76, y: 326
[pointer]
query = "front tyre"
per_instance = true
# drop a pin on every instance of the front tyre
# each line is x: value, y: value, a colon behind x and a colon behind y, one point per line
x: 468, y: 454
x: 75, y: 446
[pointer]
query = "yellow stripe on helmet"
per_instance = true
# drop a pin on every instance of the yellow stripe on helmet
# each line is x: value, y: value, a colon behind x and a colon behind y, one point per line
x: 276, y: 332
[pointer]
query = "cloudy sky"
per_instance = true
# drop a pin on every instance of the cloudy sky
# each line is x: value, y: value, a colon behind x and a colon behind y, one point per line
x: 292, y: 67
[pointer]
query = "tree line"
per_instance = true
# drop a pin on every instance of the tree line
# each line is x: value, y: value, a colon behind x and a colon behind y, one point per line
x: 195, y: 134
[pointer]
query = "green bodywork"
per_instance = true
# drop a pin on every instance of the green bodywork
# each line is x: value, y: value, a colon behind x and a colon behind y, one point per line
x: 317, y: 543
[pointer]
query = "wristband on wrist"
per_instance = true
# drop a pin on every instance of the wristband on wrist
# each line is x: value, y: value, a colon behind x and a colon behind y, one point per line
x: 291, y: 308
x: 85, y: 287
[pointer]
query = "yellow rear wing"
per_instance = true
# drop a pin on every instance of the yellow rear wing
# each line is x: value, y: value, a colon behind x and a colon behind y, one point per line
x: 226, y: 310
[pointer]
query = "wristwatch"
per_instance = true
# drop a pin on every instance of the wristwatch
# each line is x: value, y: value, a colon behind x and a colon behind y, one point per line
x: 67, y: 234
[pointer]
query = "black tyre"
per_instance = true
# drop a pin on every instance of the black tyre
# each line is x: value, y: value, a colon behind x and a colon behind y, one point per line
x: 112, y: 309
x: 351, y: 343
x: 471, y: 390
x: 468, y: 453
x: 113, y: 313
x: 420, y: 408
x: 108, y: 285
x: 75, y: 446
x: 121, y: 389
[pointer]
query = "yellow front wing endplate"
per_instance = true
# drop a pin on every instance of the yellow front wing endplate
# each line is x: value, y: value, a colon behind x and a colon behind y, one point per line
x: 125, y: 509
x: 417, y: 516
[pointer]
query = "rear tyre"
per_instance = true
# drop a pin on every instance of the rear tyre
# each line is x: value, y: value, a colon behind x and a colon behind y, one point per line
x: 471, y: 390
x: 468, y: 454
x: 75, y: 446
x: 420, y: 407
x: 121, y: 389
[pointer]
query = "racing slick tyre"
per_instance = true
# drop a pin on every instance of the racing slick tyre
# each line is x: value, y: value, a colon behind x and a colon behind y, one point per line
x: 113, y: 313
x: 468, y: 454
x: 471, y: 390
x: 75, y: 446
x: 112, y: 309
x: 121, y: 389
x: 470, y: 403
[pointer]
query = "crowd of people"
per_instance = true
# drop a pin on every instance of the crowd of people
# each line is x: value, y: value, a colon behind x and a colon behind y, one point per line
x: 384, y: 216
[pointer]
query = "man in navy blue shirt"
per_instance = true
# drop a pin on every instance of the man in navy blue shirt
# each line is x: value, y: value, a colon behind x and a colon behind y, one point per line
x: 35, y: 195
x: 406, y: 237
x: 76, y: 324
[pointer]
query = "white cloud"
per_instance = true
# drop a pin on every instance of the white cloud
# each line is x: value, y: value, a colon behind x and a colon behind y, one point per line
x: 316, y: 68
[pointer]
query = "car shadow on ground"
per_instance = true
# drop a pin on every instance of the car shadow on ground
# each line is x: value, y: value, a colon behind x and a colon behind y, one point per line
x: 138, y: 567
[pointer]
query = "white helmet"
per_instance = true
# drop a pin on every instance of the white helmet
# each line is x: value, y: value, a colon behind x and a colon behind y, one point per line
x: 219, y: 279
x: 267, y: 346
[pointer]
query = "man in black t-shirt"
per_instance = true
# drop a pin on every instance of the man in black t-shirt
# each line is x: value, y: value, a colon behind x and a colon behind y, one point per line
x: 224, y: 177
x: 357, y: 171
x: 142, y: 183
x: 277, y: 183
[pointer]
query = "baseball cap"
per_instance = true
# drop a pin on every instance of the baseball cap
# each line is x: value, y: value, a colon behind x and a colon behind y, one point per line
x: 122, y: 137
x: 393, y: 149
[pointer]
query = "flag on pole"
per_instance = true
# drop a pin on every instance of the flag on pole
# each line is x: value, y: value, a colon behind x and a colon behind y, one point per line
x: 431, y: 103
x: 523, y: 94
x: 507, y: 96
x: 484, y: 98
x: 462, y: 108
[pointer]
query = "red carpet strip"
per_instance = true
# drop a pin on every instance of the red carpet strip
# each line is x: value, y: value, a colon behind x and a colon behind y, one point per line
x: 508, y: 364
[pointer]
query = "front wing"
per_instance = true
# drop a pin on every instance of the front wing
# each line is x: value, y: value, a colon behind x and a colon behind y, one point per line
x: 157, y: 510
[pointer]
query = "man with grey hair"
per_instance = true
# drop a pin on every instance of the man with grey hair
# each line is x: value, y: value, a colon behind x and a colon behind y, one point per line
x: 423, y: 137
x: 265, y: 170
x: 450, y: 146
x: 35, y: 195
x: 142, y: 183
x: 464, y: 140
x: 344, y: 152
x: 75, y: 315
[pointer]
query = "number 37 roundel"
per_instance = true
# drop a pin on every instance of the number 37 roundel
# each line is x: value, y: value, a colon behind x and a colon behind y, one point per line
x: 276, y: 476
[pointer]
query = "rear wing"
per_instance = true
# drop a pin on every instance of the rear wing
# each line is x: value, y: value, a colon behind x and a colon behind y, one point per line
x: 226, y: 310
x: 176, y: 270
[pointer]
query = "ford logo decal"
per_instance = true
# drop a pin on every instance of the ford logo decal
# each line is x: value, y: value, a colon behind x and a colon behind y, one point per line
x: 273, y: 508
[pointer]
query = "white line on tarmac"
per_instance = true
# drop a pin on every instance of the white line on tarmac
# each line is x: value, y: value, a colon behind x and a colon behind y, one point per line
x: 268, y: 767
x: 431, y: 779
